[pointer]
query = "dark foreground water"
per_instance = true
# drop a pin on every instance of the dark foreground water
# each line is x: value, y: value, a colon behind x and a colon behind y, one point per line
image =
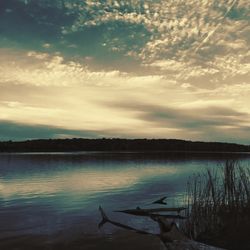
x: 50, y: 201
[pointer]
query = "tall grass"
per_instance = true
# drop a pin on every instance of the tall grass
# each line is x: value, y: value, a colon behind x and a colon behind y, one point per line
x: 219, y: 205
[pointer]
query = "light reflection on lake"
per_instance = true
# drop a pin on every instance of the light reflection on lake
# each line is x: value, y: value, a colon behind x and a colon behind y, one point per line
x: 52, y: 194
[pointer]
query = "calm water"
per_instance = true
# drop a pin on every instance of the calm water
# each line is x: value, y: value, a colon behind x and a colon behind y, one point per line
x: 55, y: 197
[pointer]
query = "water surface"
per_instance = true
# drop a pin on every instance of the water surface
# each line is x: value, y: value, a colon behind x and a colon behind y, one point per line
x: 54, y: 197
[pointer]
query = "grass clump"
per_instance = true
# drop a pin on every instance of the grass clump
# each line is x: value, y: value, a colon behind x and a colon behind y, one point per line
x: 219, y: 206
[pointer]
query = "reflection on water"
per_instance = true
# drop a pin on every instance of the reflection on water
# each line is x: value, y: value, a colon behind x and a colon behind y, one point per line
x: 85, y: 180
x: 58, y: 194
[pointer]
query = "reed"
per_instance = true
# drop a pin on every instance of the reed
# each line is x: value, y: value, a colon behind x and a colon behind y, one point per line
x: 219, y: 205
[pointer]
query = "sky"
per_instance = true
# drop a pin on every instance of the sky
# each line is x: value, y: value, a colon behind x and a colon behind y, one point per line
x: 128, y: 69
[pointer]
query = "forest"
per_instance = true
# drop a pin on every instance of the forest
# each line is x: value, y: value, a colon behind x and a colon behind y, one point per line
x: 116, y: 144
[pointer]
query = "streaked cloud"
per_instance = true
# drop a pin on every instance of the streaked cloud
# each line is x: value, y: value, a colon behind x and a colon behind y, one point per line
x: 209, y: 122
x: 16, y: 131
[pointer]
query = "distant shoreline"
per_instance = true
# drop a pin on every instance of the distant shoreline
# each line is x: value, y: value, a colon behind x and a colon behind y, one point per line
x: 117, y: 145
x: 128, y: 152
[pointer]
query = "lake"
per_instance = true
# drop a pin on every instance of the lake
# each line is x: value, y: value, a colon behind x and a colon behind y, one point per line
x: 51, y: 200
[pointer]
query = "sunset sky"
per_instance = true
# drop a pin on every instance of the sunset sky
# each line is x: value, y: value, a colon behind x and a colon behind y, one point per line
x: 129, y: 69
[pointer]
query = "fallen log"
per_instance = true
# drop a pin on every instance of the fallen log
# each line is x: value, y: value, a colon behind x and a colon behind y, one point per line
x: 170, y: 235
x: 167, y: 216
x: 142, y: 211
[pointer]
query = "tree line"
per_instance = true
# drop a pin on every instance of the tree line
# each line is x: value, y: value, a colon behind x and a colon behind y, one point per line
x: 116, y: 144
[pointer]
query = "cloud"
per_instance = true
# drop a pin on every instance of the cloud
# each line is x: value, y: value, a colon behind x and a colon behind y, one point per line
x: 173, y: 61
x: 120, y: 33
x: 181, y: 43
x: 17, y: 131
x: 42, y: 89
x: 44, y: 69
x: 209, y: 122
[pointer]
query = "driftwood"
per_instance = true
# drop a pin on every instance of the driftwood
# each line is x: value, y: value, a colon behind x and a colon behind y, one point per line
x: 170, y: 235
x: 161, y: 201
x: 154, y: 212
x: 139, y: 210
